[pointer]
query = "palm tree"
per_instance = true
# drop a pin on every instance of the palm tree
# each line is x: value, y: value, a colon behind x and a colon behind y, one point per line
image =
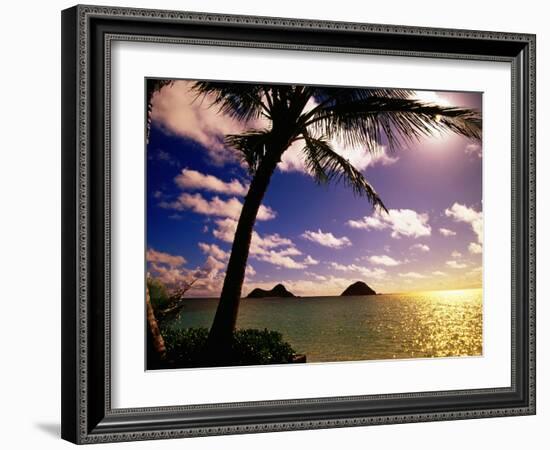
x: 315, y: 116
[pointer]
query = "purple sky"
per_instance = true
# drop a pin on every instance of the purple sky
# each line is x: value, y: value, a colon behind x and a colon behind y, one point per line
x: 314, y: 239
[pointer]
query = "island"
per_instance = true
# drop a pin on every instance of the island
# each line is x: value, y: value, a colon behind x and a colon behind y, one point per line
x: 278, y: 291
x: 358, y: 288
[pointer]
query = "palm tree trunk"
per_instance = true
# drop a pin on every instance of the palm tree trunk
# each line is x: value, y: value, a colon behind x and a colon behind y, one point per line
x: 157, y: 340
x: 221, y: 333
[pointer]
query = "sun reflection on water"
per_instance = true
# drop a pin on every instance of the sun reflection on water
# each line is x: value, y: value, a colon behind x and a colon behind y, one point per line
x: 441, y: 323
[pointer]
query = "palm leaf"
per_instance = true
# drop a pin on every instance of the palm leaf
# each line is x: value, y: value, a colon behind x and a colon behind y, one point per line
x: 241, y: 101
x: 252, y: 146
x: 365, y: 121
x: 328, y: 166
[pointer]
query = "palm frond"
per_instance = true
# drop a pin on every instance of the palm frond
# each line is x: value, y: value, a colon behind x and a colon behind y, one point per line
x: 399, y: 119
x: 241, y: 101
x: 346, y: 94
x: 328, y: 166
x: 252, y: 146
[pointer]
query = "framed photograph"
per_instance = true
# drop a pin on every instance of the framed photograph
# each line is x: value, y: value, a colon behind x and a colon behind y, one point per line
x: 280, y: 224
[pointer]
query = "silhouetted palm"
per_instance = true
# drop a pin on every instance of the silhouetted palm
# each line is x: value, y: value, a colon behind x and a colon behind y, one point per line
x: 314, y: 116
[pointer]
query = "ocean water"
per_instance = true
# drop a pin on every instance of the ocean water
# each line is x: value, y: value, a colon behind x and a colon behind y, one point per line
x: 415, y: 325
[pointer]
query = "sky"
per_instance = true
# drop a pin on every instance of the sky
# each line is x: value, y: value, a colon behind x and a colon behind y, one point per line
x: 315, y: 239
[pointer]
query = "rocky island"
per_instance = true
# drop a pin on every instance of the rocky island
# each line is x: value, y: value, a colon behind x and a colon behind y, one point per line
x: 358, y: 288
x: 278, y: 291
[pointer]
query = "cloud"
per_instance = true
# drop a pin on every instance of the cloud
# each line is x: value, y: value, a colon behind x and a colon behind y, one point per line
x: 270, y: 248
x: 414, y: 275
x: 326, y: 239
x: 156, y: 257
x: 250, y: 271
x: 462, y: 213
x: 475, y: 248
x: 170, y: 276
x: 420, y: 247
x: 194, y: 180
x: 473, y: 149
x: 456, y: 264
x: 364, y: 271
x: 275, y: 258
x: 167, y: 267
x: 177, y: 110
x: 402, y: 222
x: 224, y: 230
x: 214, y: 250
x: 456, y: 254
x: 309, y: 261
x: 216, y: 207
x: 163, y: 156
x: 384, y: 260
x: 439, y: 273
x: 291, y: 251
x: 446, y: 232
x: 317, y: 276
x: 476, y: 271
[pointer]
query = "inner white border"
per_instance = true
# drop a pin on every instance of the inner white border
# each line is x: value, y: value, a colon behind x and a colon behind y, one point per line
x: 132, y: 386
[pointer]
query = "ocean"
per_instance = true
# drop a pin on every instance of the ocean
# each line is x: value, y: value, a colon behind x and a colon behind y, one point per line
x: 328, y: 329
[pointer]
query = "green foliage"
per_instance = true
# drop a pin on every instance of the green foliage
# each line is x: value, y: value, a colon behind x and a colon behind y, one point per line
x: 261, y: 347
x: 186, y: 347
x: 158, y: 294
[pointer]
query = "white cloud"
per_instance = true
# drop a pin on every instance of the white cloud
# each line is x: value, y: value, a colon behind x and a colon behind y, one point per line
x: 402, y: 222
x: 170, y: 276
x: 456, y: 264
x: 446, y: 232
x: 420, y: 247
x: 364, y: 271
x: 456, y: 254
x: 214, y: 250
x: 271, y: 248
x: 463, y: 213
x: 250, y: 271
x: 414, y: 275
x: 178, y: 111
x: 326, y: 239
x: 156, y: 257
x: 275, y: 258
x: 439, y: 273
x: 290, y: 251
x: 194, y: 180
x: 473, y: 149
x: 384, y: 260
x: 215, y: 207
x: 475, y: 248
x: 225, y: 231
x: 316, y: 276
x: 309, y: 261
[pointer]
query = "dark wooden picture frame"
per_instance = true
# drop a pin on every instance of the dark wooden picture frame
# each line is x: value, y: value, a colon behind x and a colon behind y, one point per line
x: 87, y: 34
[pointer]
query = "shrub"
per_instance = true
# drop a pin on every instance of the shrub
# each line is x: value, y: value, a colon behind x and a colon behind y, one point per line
x: 186, y: 347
